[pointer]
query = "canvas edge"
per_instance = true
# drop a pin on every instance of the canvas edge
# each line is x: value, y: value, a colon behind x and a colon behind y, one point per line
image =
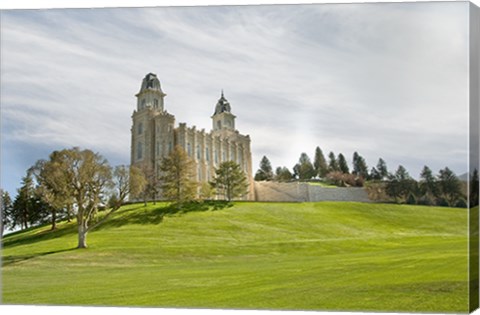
x: 474, y: 100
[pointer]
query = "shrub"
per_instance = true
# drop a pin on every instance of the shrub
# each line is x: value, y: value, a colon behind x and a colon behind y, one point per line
x: 411, y: 200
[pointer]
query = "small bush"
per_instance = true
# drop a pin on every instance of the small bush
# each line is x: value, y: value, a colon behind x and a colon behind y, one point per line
x: 461, y: 203
x: 411, y: 200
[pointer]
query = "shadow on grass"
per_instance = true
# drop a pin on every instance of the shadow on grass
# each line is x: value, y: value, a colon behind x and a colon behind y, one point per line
x: 44, y: 235
x: 10, y: 260
x: 137, y: 215
x: 155, y: 216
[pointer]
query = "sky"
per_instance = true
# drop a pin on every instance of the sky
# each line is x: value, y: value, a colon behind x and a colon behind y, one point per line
x: 385, y: 80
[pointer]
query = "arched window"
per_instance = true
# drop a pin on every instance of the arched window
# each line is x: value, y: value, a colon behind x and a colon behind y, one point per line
x: 189, y: 149
x: 198, y: 152
x: 170, y: 147
x: 143, y: 104
x: 139, y: 150
x: 140, y: 128
x: 207, y: 154
x: 155, y: 103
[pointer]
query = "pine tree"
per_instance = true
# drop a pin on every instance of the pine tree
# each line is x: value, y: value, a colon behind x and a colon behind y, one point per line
x: 428, y: 184
x: 342, y: 164
x: 375, y: 174
x: 400, y: 185
x: 474, y: 189
x: 382, y: 169
x: 283, y: 174
x: 24, y: 203
x: 6, y: 211
x: 332, y: 163
x: 360, y: 167
x: 304, y: 168
x: 319, y: 163
x: 230, y: 181
x: 265, y: 172
x: 450, y: 186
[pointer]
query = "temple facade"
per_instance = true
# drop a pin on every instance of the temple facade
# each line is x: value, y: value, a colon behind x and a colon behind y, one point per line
x: 154, y: 135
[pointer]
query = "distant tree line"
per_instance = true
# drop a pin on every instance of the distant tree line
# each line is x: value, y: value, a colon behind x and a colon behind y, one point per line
x: 80, y: 184
x: 442, y: 189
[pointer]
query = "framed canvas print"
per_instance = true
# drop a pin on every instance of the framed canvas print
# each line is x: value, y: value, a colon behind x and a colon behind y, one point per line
x: 300, y: 157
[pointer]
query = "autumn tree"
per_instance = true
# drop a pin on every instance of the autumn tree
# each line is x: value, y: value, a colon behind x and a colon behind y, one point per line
x: 128, y: 181
x: 88, y: 177
x: 265, y: 172
x: 53, y: 188
x: 177, y: 181
x: 319, y: 163
x: 152, y: 184
x: 230, y: 181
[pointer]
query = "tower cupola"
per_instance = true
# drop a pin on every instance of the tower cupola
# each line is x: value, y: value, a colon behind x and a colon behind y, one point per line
x: 151, y: 94
x: 223, y: 119
x: 222, y: 105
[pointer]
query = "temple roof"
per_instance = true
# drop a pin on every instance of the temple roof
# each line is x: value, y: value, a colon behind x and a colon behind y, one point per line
x: 223, y: 106
x: 151, y: 82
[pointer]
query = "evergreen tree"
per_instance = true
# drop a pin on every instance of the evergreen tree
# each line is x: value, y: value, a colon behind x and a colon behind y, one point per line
x: 449, y: 186
x: 474, y: 189
x: 342, y: 164
x: 230, y: 181
x: 319, y: 163
x: 360, y: 167
x: 400, y: 185
x: 375, y: 174
x: 332, y: 163
x: 6, y: 211
x: 265, y: 172
x: 24, y: 203
x: 177, y: 176
x: 304, y: 170
x: 428, y: 183
x: 382, y: 169
x: 283, y: 174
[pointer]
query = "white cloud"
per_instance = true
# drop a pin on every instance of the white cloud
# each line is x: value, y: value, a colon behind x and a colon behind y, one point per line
x: 387, y: 80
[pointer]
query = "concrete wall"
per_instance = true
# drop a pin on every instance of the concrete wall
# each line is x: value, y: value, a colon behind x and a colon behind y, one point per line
x: 299, y: 192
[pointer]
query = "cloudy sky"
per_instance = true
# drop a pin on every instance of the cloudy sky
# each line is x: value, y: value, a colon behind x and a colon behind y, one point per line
x: 386, y: 80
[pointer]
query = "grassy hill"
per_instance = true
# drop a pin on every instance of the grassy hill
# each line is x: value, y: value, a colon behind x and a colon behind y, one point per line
x: 308, y: 256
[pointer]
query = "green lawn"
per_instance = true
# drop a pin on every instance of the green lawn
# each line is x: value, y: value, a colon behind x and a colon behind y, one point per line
x: 307, y: 256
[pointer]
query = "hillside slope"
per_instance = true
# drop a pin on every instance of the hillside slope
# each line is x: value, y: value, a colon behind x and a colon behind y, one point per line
x: 309, y: 256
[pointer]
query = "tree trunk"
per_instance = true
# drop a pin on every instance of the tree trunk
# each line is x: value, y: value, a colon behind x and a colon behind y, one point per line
x: 82, y: 236
x: 69, y: 211
x: 54, y: 219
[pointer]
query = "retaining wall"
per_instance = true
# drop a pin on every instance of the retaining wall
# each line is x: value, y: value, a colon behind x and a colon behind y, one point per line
x: 299, y: 192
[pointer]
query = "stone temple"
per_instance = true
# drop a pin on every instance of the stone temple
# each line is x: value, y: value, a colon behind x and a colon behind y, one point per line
x: 154, y: 135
